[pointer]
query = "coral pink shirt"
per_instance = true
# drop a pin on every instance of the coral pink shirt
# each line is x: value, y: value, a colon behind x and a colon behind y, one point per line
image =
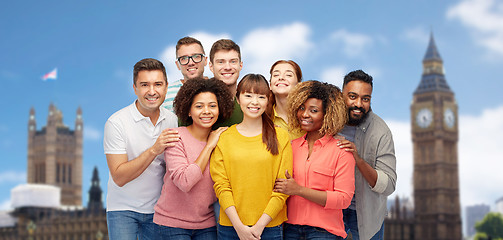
x: 329, y: 169
x: 187, y: 195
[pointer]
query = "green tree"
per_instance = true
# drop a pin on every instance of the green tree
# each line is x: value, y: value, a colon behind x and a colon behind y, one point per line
x: 491, y: 226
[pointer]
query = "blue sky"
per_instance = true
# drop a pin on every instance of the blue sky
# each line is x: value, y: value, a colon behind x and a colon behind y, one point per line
x: 94, y: 45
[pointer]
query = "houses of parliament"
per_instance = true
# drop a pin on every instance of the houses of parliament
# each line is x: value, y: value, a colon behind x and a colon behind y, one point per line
x: 49, y: 206
x: 55, y: 159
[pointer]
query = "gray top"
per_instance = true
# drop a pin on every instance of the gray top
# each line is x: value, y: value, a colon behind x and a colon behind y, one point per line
x: 374, y: 143
x: 349, y: 132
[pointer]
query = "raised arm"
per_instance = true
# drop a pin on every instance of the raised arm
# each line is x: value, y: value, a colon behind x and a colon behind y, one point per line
x: 385, y: 166
x: 204, y: 157
x: 382, y: 178
x: 124, y: 171
x: 182, y: 172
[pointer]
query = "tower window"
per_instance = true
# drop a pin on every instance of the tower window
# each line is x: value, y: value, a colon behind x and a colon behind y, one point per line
x: 70, y: 174
x: 63, y: 174
x: 57, y: 172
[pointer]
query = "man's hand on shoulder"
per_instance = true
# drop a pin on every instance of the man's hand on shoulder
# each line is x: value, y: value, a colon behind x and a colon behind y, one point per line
x: 168, y: 138
x: 368, y: 172
x: 349, y: 146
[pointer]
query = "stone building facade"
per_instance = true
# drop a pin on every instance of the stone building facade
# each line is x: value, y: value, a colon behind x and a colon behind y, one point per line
x: 55, y: 158
x: 55, y: 155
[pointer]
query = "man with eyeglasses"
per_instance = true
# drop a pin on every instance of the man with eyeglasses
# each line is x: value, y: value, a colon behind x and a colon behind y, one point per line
x: 190, y: 60
x: 225, y: 63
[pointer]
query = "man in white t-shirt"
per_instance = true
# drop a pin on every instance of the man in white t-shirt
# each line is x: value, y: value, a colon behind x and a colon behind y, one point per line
x: 190, y: 60
x: 134, y: 141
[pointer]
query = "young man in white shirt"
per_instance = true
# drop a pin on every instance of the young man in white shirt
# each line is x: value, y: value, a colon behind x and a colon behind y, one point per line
x: 135, y: 138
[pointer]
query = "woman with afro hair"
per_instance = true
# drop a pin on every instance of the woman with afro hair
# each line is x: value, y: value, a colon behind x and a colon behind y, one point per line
x: 185, y: 208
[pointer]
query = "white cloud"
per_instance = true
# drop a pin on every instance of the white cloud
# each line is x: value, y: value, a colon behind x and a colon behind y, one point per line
x: 168, y: 56
x: 5, y: 205
x: 480, y: 157
x: 261, y: 47
x: 377, y: 75
x: 485, y: 18
x: 91, y: 133
x: 416, y: 34
x: 403, y: 152
x: 334, y: 75
x: 12, y: 176
x: 353, y: 44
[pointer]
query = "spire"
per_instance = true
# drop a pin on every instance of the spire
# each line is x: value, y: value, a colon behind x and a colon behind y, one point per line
x: 433, y: 79
x: 78, y: 120
x: 32, y: 123
x: 432, y: 53
x: 95, y: 192
x: 96, y: 179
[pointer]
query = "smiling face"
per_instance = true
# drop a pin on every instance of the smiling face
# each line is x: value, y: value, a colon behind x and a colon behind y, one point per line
x: 226, y: 66
x: 283, y: 79
x: 150, y: 88
x: 253, y: 105
x: 310, y: 115
x: 357, y: 95
x: 192, y: 69
x: 204, y: 110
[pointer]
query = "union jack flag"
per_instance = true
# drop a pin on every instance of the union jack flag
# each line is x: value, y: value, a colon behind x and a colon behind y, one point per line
x: 51, y: 75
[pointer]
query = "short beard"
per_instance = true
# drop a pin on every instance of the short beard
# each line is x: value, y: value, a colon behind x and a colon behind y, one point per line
x: 356, y: 121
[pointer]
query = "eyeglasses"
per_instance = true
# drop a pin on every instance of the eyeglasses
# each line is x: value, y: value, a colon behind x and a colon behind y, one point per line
x: 196, y: 58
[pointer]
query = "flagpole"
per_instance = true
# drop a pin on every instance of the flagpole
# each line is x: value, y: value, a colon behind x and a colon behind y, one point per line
x: 52, y: 75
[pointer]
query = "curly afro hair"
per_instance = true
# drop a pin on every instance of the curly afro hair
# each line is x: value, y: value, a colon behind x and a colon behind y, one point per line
x: 192, y: 87
x: 334, y: 109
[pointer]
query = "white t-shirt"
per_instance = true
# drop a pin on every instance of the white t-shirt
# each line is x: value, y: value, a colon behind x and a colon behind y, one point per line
x: 129, y: 132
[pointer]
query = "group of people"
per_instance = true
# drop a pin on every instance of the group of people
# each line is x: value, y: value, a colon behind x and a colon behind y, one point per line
x: 214, y: 158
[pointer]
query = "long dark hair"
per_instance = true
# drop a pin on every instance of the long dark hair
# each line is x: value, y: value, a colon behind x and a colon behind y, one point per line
x: 256, y: 83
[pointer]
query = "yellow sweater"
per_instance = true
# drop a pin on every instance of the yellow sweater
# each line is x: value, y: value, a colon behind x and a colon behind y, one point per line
x: 244, y: 173
x: 280, y: 122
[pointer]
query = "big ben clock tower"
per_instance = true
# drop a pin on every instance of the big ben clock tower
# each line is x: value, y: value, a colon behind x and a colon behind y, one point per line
x: 434, y: 115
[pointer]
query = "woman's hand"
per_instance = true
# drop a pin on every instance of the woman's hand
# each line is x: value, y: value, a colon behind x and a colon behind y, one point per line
x: 287, y: 186
x: 214, y: 136
x: 245, y: 233
x: 259, y: 226
x: 256, y: 231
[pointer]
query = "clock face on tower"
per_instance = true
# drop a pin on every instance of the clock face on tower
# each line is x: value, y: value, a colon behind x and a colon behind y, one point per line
x: 424, y: 117
x: 449, y: 118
